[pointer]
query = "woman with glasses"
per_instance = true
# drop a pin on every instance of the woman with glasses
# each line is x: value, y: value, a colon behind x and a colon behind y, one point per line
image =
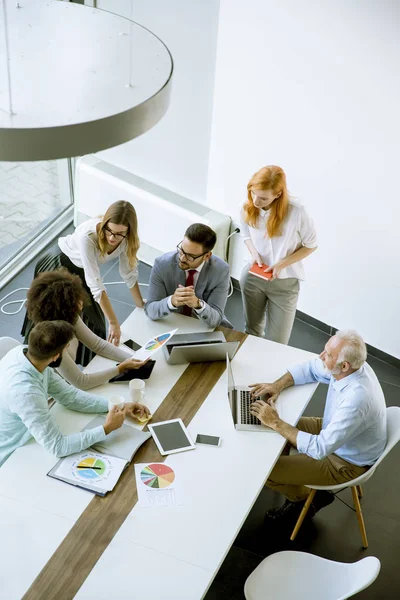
x: 278, y: 234
x: 93, y: 243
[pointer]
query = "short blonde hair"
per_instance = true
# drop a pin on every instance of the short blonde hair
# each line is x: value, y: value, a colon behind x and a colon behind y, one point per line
x: 354, y: 350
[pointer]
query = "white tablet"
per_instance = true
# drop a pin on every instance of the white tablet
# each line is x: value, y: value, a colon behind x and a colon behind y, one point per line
x: 171, y: 436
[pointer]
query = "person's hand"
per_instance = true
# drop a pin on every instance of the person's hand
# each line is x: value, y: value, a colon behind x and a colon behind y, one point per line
x: 114, y: 419
x: 267, y: 414
x: 189, y: 297
x: 185, y: 296
x: 256, y: 258
x: 270, y: 390
x: 114, y: 333
x: 131, y: 363
x: 136, y: 410
x: 275, y: 269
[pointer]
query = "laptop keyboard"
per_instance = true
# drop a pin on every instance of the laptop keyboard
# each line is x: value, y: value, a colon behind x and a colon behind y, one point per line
x: 246, y: 417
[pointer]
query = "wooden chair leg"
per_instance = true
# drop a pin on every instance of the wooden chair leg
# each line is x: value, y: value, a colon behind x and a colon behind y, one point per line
x: 359, y: 491
x: 360, y: 517
x: 302, y: 514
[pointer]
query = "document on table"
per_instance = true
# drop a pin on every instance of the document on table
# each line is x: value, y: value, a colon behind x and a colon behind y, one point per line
x: 153, y: 345
x: 157, y: 485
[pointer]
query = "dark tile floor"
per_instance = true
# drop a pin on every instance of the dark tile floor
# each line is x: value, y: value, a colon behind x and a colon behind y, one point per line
x: 334, y: 532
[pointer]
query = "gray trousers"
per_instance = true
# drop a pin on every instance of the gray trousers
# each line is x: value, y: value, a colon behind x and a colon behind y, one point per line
x: 269, y: 302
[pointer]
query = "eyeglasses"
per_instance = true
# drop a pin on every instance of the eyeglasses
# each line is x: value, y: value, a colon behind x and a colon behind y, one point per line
x: 189, y: 257
x: 118, y: 236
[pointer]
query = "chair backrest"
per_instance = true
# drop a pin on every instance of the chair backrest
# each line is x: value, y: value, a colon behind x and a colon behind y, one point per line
x: 393, y: 436
x: 293, y: 575
x: 7, y: 344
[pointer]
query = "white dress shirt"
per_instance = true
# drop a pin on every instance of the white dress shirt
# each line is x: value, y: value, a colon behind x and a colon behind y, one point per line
x: 82, y: 250
x: 195, y: 279
x: 297, y: 230
x: 354, y: 423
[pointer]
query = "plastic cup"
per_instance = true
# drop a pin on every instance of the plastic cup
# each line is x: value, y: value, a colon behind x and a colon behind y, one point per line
x: 116, y: 401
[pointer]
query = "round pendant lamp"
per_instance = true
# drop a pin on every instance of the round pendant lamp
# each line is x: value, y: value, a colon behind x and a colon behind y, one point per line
x: 75, y: 80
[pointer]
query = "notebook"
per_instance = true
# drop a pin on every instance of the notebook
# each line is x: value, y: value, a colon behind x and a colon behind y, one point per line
x: 259, y: 271
x: 99, y: 468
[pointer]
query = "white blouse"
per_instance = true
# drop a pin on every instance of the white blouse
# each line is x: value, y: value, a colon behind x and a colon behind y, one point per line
x: 297, y: 230
x: 82, y: 250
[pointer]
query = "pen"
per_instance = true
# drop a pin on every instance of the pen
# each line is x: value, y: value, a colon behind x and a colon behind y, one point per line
x: 98, y: 468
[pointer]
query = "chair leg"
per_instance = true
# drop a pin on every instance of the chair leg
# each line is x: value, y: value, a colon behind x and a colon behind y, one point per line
x: 360, y: 517
x: 359, y: 491
x: 302, y: 515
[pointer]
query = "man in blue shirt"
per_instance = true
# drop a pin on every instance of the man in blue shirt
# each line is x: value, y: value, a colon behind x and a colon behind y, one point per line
x: 342, y: 445
x: 26, y: 382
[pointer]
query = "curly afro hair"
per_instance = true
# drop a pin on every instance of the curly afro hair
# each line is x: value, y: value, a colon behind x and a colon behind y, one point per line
x: 56, y: 295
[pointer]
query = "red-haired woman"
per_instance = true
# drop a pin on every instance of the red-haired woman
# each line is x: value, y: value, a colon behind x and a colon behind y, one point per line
x: 278, y: 233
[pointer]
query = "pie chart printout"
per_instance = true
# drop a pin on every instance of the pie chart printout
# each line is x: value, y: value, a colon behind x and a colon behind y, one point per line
x: 157, y: 342
x: 90, y: 468
x: 157, y: 475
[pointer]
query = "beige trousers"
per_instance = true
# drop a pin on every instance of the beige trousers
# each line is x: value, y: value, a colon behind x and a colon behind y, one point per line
x: 269, y: 302
x: 291, y: 473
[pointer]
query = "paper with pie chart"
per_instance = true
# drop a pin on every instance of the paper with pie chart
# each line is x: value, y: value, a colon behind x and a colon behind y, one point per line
x: 154, y: 344
x: 91, y: 470
x: 157, y: 485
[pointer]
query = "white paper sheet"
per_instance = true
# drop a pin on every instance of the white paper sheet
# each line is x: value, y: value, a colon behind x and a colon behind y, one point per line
x: 157, y: 485
x: 90, y: 468
x: 154, y: 344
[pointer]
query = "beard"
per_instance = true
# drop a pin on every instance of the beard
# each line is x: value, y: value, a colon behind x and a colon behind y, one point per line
x: 335, y: 371
x: 56, y: 363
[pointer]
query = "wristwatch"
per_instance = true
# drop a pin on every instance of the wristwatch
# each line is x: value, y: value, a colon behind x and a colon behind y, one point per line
x: 201, y: 302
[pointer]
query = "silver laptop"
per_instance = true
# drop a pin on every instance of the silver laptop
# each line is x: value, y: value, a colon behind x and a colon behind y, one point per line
x: 198, y: 347
x: 239, y: 402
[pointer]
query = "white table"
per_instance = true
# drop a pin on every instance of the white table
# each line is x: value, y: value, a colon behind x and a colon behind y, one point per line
x: 42, y: 510
x: 220, y: 487
x: 179, y: 548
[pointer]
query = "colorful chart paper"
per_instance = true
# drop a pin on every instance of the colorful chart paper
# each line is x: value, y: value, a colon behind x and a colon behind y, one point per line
x: 153, y: 345
x: 90, y: 468
x: 157, y: 485
x: 157, y: 342
x: 157, y: 475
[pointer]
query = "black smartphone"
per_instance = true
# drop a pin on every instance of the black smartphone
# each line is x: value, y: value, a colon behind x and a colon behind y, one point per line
x: 132, y: 345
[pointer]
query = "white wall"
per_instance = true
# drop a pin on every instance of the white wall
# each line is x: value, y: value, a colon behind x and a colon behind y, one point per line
x: 175, y: 152
x: 314, y: 87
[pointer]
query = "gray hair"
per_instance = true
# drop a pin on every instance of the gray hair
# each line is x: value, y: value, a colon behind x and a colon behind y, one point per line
x: 354, y: 350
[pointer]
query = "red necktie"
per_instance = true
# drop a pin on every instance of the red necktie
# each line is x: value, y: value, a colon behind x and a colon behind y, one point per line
x: 189, y: 281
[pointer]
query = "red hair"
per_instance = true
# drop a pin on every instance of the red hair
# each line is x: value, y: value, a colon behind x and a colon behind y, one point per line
x: 268, y: 178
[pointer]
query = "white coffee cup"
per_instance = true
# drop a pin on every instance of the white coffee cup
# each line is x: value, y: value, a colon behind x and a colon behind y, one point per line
x: 136, y: 390
x: 116, y: 401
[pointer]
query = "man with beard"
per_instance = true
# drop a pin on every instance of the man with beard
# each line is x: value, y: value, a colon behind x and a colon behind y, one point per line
x: 27, y: 380
x: 190, y: 280
x: 342, y: 445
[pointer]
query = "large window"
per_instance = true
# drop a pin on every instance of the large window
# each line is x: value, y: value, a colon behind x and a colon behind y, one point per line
x: 35, y: 204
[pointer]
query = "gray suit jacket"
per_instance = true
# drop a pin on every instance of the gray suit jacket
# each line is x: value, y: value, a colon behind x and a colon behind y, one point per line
x: 212, y: 286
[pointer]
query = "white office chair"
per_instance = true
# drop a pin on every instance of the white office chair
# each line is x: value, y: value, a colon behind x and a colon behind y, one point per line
x: 6, y: 344
x: 298, y: 575
x: 393, y: 436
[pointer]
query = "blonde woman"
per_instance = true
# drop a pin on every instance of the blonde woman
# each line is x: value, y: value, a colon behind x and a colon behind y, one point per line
x: 95, y: 242
x: 277, y: 232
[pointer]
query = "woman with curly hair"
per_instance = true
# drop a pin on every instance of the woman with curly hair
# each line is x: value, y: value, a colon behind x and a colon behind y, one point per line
x: 95, y: 242
x: 60, y: 296
x: 278, y: 233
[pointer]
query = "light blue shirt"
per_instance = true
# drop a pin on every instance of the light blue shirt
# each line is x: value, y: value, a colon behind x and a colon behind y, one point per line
x: 24, y: 411
x: 354, y: 423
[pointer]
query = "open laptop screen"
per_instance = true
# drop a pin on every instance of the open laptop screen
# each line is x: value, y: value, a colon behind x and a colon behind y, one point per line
x: 231, y: 389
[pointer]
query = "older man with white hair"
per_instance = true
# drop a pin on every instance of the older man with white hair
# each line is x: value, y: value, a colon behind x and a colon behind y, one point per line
x: 345, y: 442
